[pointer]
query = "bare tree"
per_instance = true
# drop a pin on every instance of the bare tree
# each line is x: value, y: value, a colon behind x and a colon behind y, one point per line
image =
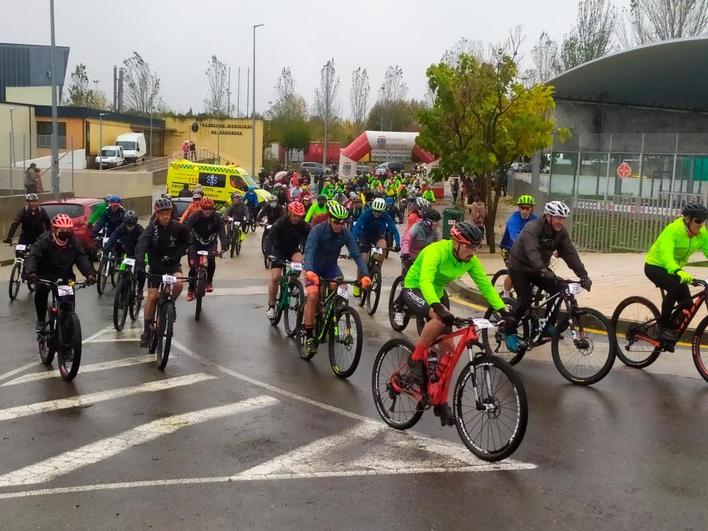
x: 79, y: 93
x: 592, y: 35
x: 660, y: 20
x: 545, y: 60
x: 288, y: 114
x: 466, y: 46
x: 326, y: 100
x: 217, y: 101
x: 359, y: 95
x: 143, y: 86
x: 393, y: 90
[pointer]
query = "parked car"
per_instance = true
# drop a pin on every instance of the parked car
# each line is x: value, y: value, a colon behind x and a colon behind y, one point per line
x: 79, y: 209
x: 363, y: 168
x: 312, y: 167
x: 391, y: 166
x: 181, y: 203
x: 134, y: 146
x: 110, y: 157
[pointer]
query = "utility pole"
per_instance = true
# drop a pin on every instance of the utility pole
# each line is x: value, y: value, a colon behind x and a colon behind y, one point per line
x: 253, y: 110
x: 55, y: 123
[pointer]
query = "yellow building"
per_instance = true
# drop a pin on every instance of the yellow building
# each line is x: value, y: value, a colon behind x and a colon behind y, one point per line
x: 228, y: 138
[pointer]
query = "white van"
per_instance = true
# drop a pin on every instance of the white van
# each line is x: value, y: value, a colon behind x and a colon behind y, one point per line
x: 110, y: 157
x: 134, y: 146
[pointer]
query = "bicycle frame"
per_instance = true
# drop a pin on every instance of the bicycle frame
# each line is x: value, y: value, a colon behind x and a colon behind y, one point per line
x: 552, y: 304
x: 329, y: 306
x: 286, y: 274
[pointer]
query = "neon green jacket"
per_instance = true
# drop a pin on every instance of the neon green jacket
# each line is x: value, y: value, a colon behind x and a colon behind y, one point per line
x: 315, y: 210
x: 429, y: 195
x: 673, y: 247
x: 98, y: 213
x: 436, y: 266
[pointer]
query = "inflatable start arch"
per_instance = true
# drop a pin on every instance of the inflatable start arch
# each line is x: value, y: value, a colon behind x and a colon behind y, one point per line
x: 383, y: 145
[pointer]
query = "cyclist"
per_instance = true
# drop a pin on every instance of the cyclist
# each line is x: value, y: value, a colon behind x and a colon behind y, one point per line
x: 423, y: 233
x: 455, y: 188
x: 285, y: 240
x: 205, y: 226
x: 320, y: 207
x: 250, y: 199
x: 53, y: 257
x: 127, y: 235
x: 414, y: 216
x: 164, y: 241
x: 427, y: 193
x: 32, y: 218
x: 99, y: 210
x: 529, y: 258
x: 516, y: 222
x: 271, y: 210
x: 393, y: 210
x: 193, y: 207
x: 237, y: 210
x: 668, y: 255
x: 112, y: 217
x: 437, y: 265
x: 322, y: 249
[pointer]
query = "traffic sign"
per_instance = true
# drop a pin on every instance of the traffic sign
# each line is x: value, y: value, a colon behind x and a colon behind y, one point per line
x: 624, y: 170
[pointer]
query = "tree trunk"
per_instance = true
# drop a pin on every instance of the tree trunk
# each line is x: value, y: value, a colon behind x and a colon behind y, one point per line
x: 492, y: 205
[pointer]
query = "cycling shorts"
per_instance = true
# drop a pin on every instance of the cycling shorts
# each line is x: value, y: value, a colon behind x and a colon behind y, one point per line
x: 154, y: 281
x: 413, y: 298
x: 365, y: 244
x: 325, y: 272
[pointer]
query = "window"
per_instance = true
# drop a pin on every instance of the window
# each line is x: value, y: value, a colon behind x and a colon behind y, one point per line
x: 44, y: 134
x: 237, y: 182
x: 70, y: 209
x: 217, y: 180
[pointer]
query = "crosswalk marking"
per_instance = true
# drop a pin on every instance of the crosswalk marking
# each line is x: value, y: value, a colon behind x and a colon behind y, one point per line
x: 18, y: 370
x: 89, y: 454
x: 102, y: 396
x: 93, y: 367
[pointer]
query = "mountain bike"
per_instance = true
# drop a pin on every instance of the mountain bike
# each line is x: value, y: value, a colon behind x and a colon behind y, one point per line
x: 337, y: 323
x: 371, y: 295
x: 61, y: 334
x: 583, y: 343
x: 249, y: 221
x: 291, y: 295
x: 635, y: 322
x: 201, y: 280
x: 17, y: 274
x: 489, y: 399
x: 106, y: 269
x: 499, y: 277
x: 128, y: 298
x: 233, y: 236
x: 162, y: 326
x: 264, y: 237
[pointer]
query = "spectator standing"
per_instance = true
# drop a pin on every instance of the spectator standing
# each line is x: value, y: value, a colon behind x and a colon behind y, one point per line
x: 192, y: 150
x: 478, y: 211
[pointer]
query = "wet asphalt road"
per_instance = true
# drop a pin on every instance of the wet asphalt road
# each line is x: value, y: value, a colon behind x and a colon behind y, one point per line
x: 239, y: 432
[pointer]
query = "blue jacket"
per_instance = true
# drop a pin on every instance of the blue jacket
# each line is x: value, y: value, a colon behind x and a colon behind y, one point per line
x: 369, y: 228
x: 514, y: 225
x: 250, y: 198
x: 326, y: 245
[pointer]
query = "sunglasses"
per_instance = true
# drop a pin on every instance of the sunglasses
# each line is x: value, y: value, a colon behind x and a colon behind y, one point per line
x: 525, y: 208
x: 338, y: 221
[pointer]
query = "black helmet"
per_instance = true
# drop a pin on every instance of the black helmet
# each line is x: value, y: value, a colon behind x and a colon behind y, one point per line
x: 467, y: 233
x: 131, y: 217
x: 695, y: 211
x: 430, y: 214
x: 163, y: 204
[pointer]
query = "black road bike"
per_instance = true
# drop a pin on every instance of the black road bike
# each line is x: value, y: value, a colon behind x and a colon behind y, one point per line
x: 128, y: 298
x: 17, y: 274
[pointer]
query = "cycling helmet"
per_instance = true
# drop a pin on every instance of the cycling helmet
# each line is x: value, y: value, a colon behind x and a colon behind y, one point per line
x: 114, y: 199
x: 466, y: 233
x: 206, y: 203
x: 107, y: 198
x: 695, y: 210
x: 378, y: 205
x: 556, y: 208
x: 235, y: 195
x: 31, y: 197
x: 430, y: 214
x: 131, y: 217
x: 422, y: 202
x: 166, y: 195
x: 296, y: 208
x: 336, y: 210
x: 163, y: 204
x: 196, y: 196
x: 62, y: 221
x: 525, y: 200
x: 389, y: 201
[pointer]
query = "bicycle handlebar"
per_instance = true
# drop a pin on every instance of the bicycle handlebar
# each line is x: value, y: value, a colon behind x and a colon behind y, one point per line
x: 53, y: 285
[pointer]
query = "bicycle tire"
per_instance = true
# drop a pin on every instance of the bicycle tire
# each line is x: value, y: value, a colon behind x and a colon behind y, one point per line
x: 593, y: 340
x: 102, y: 277
x: 524, y: 332
x: 136, y: 300
x: 301, y: 337
x: 199, y: 293
x: 167, y: 319
x: 498, y: 280
x: 15, y: 281
x: 279, y: 302
x: 346, y: 369
x: 238, y: 242
x: 121, y: 303
x: 69, y: 339
x: 112, y: 272
x: 372, y: 300
x: 296, y: 299
x: 519, y: 406
x: 420, y: 323
x: 625, y: 336
x: 45, y: 345
x: 232, y: 243
x: 396, y: 290
x: 700, y: 360
x: 397, y: 351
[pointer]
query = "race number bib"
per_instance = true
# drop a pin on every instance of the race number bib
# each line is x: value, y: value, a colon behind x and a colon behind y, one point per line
x: 129, y: 262
x: 169, y: 279
x: 481, y: 324
x: 296, y: 266
x: 20, y: 247
x: 65, y: 291
x: 343, y: 291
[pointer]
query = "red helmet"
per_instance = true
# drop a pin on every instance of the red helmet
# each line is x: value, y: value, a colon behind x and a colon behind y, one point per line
x: 62, y: 221
x: 466, y: 233
x: 207, y: 203
x: 296, y: 208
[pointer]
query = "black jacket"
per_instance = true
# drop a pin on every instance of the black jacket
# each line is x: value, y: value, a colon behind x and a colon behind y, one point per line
x: 533, y: 247
x: 33, y: 224
x: 238, y: 212
x: 204, y: 230
x: 129, y: 239
x: 170, y: 242
x: 284, y: 238
x: 52, y: 262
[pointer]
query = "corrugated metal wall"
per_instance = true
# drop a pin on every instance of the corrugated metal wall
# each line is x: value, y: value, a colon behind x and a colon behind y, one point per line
x: 29, y: 66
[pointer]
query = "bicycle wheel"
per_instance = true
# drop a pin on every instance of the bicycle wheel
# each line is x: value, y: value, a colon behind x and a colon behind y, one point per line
x: 420, y: 323
x: 136, y: 300
x: 45, y: 344
x: 279, y: 303
x: 699, y: 348
x: 585, y: 353
x: 199, y: 291
x: 296, y: 298
x: 498, y: 280
x: 15, y: 281
x: 633, y: 321
x: 394, y: 306
x: 121, y: 302
x: 102, y: 276
x: 232, y: 243
x: 69, y: 345
x: 491, y: 419
x: 345, y: 342
x: 495, y: 340
x: 301, y: 336
x: 237, y: 243
x: 165, y: 330
x: 372, y: 300
x: 398, y: 410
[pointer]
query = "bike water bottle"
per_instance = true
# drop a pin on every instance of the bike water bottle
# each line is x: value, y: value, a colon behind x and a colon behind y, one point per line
x: 433, y: 365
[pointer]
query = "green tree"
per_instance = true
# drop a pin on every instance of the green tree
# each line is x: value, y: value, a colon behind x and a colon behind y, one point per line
x: 481, y: 120
x: 81, y: 95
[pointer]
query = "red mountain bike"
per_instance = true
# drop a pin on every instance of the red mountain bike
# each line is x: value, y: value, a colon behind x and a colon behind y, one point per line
x: 490, y: 406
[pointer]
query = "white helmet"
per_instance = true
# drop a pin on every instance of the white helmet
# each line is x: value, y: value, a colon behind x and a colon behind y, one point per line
x: 422, y: 202
x: 557, y: 208
x: 378, y: 205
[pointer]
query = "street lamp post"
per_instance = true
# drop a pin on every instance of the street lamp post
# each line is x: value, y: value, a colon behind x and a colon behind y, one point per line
x: 100, y: 137
x: 253, y: 110
x: 55, y: 103
x: 150, y: 153
x: 12, y: 146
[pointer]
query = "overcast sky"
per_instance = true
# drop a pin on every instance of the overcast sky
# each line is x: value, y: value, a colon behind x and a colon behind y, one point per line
x: 177, y: 37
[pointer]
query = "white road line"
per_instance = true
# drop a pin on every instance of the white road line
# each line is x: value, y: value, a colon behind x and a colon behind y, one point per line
x: 13, y: 372
x: 100, y: 332
x: 93, y: 367
x: 90, y: 454
x: 102, y: 396
x: 248, y: 290
x: 127, y: 334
